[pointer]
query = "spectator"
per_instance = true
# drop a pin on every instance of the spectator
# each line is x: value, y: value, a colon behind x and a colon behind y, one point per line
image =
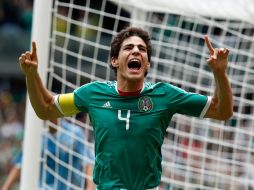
x: 70, y: 165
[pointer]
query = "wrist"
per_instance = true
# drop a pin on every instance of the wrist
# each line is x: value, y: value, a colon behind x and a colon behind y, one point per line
x: 219, y: 73
x: 32, y: 74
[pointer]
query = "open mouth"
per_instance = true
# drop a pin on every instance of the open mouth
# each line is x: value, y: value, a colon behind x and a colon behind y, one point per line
x: 134, y: 64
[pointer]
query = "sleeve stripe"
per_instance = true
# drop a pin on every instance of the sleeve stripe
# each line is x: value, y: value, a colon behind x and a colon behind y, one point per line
x: 56, y: 102
x: 209, y: 100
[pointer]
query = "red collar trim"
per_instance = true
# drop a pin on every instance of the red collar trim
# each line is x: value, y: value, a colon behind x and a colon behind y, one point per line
x: 136, y: 93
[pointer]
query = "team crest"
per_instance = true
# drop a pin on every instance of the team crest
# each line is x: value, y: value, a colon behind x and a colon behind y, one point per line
x: 145, y: 104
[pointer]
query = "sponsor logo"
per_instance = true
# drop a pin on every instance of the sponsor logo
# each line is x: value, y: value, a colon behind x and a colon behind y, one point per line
x: 107, y: 105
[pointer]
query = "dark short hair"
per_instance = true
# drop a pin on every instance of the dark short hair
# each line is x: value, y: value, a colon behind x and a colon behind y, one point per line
x: 126, y: 33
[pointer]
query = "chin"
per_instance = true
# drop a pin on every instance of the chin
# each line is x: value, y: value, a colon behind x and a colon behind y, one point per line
x: 135, y: 77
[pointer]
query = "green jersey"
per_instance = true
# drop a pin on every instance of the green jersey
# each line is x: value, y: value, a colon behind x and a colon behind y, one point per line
x: 129, y: 130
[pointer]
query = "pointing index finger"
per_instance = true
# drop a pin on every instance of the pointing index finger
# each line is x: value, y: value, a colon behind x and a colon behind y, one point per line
x: 209, y: 45
x: 34, y: 49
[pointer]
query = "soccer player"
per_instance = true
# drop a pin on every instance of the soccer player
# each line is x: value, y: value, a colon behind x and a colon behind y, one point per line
x: 130, y: 116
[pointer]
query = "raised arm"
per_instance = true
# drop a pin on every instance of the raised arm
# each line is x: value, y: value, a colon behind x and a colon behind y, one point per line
x: 40, y: 98
x: 221, y: 107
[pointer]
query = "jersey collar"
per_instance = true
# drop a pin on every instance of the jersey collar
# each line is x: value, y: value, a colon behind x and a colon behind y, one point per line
x: 128, y: 94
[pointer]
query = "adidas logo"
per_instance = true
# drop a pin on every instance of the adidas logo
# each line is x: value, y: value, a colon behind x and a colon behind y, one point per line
x: 107, y: 105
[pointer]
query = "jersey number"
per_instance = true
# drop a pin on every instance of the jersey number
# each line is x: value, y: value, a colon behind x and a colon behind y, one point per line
x: 126, y: 119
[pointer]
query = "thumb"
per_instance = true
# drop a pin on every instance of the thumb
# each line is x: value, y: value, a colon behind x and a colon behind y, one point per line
x: 210, y: 61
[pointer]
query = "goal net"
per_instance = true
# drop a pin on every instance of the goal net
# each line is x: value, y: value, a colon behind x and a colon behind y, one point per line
x: 197, y: 153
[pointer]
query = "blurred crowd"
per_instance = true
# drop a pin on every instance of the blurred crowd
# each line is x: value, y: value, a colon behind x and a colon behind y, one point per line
x: 15, y: 16
x: 12, y: 106
x: 15, y: 20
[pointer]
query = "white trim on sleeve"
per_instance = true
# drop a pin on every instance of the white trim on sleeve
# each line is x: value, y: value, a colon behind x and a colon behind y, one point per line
x: 209, y: 100
x: 56, y: 102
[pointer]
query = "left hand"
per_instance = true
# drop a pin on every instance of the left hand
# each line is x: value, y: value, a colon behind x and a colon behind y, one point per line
x: 218, y: 59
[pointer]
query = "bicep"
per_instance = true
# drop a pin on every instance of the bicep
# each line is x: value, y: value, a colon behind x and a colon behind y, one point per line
x: 212, y: 111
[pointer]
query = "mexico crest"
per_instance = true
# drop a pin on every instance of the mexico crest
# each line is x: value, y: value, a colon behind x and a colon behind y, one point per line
x: 145, y: 104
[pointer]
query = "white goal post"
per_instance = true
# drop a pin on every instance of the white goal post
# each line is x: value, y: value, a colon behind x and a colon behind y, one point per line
x: 73, y: 38
x: 33, y: 125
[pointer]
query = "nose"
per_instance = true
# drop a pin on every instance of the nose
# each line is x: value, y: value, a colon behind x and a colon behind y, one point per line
x: 135, y: 50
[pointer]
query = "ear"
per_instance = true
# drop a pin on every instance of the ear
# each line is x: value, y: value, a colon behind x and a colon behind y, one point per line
x: 114, y: 62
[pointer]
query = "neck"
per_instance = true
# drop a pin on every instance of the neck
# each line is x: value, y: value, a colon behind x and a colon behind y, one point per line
x: 128, y: 86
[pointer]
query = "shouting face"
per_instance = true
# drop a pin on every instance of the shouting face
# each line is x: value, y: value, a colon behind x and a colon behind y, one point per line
x: 132, y: 62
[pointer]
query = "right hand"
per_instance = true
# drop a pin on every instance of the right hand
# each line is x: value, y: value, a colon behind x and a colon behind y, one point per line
x: 28, y: 61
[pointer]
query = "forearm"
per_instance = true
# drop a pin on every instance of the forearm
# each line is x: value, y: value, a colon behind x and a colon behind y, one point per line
x: 11, y: 179
x: 223, y: 96
x: 89, y: 182
x: 40, y: 98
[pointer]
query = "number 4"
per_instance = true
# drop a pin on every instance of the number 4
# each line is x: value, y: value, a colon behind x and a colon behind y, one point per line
x: 127, y: 118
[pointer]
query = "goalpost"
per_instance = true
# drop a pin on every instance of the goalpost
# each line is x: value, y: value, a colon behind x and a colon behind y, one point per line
x: 73, y: 38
